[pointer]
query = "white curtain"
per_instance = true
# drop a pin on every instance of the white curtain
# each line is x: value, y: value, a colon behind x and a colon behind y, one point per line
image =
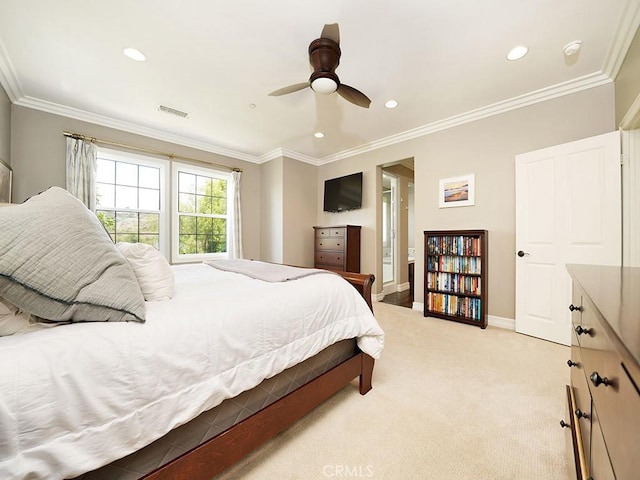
x: 235, y: 234
x: 81, y: 171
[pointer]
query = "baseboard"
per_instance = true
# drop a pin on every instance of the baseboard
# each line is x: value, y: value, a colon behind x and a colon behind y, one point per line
x: 403, y: 287
x: 377, y: 297
x: 494, y: 321
x: 501, y: 322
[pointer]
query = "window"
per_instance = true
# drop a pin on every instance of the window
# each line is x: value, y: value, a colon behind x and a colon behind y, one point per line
x: 201, y: 212
x: 187, y: 217
x: 130, y: 201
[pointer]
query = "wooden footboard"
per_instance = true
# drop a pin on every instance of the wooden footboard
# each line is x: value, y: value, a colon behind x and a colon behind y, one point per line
x: 226, y: 449
x: 363, y: 282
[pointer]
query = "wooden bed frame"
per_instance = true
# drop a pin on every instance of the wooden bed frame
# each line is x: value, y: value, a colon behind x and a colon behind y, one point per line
x: 224, y: 450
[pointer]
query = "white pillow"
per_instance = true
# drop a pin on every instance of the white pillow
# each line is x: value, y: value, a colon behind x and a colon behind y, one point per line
x: 13, y: 321
x: 152, y: 270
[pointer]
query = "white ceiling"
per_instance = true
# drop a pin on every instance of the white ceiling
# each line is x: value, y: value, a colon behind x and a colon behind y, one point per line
x: 442, y: 60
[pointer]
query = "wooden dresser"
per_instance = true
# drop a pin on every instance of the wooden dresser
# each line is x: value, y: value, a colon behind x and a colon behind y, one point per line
x: 338, y: 248
x: 603, y: 400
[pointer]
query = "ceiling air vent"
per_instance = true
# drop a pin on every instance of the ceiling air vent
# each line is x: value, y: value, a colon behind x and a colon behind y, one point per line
x: 173, y: 111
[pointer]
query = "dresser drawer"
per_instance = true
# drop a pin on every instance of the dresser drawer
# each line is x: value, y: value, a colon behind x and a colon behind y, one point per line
x: 330, y: 243
x: 335, y: 259
x: 582, y: 400
x: 600, y: 362
x: 600, y: 468
x: 329, y: 232
x: 621, y: 436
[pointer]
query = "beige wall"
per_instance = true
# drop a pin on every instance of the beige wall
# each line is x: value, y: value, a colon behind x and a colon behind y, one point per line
x: 300, y: 207
x: 5, y: 126
x: 288, y: 211
x: 272, y: 220
x: 38, y: 160
x: 627, y: 83
x: 486, y: 148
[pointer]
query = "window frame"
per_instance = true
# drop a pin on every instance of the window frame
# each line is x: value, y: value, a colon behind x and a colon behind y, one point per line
x: 164, y: 239
x: 176, y: 168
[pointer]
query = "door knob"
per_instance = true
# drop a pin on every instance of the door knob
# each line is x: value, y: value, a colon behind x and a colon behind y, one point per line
x: 521, y: 253
x: 573, y: 308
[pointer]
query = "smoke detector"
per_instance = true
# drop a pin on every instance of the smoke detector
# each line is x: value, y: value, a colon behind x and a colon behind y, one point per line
x: 572, y: 48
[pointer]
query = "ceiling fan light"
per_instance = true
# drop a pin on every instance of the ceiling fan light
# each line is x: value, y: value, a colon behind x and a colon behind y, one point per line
x: 324, y: 85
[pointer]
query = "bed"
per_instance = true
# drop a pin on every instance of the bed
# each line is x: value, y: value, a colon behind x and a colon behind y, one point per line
x: 95, y: 399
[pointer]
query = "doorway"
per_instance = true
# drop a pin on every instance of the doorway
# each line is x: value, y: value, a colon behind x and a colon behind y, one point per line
x: 396, y: 233
x: 389, y: 233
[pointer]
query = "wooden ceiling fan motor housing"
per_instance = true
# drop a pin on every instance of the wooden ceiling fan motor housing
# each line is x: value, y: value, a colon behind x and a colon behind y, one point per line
x: 324, y: 57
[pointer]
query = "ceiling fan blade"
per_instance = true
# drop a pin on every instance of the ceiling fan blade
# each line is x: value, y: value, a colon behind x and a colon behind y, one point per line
x: 332, y: 32
x: 354, y: 96
x: 289, y: 89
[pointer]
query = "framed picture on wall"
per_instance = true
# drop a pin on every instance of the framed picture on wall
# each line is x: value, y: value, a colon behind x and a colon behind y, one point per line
x: 6, y: 177
x: 457, y: 191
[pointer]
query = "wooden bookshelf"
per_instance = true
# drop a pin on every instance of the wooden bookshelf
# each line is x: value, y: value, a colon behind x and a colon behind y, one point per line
x: 455, y: 275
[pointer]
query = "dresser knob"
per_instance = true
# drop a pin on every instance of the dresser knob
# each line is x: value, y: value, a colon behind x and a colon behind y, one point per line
x: 564, y: 424
x: 580, y: 330
x: 574, y: 308
x: 597, y: 380
x: 572, y: 363
x: 581, y: 414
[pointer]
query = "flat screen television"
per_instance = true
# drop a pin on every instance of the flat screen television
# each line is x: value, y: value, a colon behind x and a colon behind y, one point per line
x: 343, y: 193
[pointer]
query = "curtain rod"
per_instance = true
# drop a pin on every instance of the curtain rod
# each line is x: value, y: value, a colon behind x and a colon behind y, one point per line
x: 171, y: 156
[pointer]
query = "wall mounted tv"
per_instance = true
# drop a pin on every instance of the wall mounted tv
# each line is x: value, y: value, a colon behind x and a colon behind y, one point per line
x: 343, y: 193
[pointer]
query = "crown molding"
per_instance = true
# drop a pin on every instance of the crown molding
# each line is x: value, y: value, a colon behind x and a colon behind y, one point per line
x: 537, y: 96
x: 8, y: 78
x: 548, y: 93
x: 130, y: 127
x: 283, y: 152
x: 626, y: 31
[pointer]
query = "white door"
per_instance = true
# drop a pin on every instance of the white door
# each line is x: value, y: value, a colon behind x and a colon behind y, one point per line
x: 568, y: 210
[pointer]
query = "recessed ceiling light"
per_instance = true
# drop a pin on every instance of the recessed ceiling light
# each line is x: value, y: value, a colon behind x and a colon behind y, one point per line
x: 391, y: 104
x: 517, y: 53
x: 572, y: 48
x: 318, y: 135
x: 134, y: 54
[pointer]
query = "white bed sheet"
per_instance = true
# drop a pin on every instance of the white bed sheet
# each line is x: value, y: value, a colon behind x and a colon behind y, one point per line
x: 76, y: 397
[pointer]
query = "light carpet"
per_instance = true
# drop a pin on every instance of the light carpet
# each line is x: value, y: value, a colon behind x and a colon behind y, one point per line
x: 449, y: 402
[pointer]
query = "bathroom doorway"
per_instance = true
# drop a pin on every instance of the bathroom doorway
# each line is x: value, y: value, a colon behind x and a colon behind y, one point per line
x: 397, y: 232
x: 389, y: 232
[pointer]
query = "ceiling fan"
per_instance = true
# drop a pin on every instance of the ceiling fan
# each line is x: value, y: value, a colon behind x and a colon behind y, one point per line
x: 324, y: 56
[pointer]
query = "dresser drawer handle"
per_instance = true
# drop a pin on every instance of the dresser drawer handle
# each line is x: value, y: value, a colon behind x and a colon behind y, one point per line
x: 597, y: 380
x: 574, y: 308
x: 580, y: 330
x: 581, y: 414
x: 571, y: 363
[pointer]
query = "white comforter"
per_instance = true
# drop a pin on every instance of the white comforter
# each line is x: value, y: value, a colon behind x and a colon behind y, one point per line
x: 75, y: 397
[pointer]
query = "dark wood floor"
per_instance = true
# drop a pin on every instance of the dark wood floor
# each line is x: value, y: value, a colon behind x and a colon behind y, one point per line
x: 403, y: 299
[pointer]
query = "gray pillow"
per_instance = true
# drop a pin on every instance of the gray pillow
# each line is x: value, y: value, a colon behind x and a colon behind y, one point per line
x: 58, y: 263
